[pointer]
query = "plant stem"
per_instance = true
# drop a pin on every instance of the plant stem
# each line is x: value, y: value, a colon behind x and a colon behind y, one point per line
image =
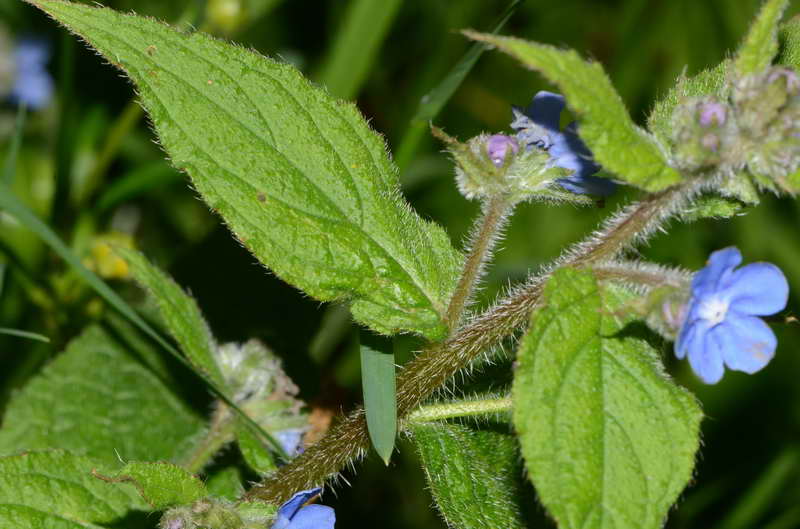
x: 438, y: 363
x: 126, y: 121
x: 485, y: 235
x: 221, y: 431
x: 464, y: 408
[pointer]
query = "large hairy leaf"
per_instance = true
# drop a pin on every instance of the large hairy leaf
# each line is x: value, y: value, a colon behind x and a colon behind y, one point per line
x: 95, y: 400
x: 605, y: 125
x: 608, y: 440
x: 56, y: 490
x: 473, y: 475
x: 298, y: 176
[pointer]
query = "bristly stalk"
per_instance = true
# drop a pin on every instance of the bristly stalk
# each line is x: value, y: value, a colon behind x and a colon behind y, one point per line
x: 484, y: 237
x: 438, y: 363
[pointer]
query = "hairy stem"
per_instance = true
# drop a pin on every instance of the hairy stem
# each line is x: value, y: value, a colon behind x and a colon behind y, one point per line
x: 462, y: 408
x: 484, y: 237
x: 223, y: 424
x: 438, y: 363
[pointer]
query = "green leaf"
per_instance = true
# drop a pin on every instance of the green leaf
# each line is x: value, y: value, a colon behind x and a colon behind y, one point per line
x: 253, y: 450
x: 789, y: 39
x: 300, y: 178
x: 56, y: 490
x: 605, y: 125
x: 225, y: 483
x: 712, y: 206
x: 380, y: 399
x: 95, y: 400
x: 161, y: 485
x: 24, y: 334
x: 473, y: 475
x: 712, y: 81
x: 356, y: 46
x: 180, y: 313
x: 608, y: 440
x: 761, y: 43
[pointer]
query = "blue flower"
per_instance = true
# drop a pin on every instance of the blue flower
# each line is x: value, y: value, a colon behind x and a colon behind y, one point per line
x: 539, y: 126
x: 291, y: 440
x: 721, y: 327
x: 295, y: 514
x: 33, y: 85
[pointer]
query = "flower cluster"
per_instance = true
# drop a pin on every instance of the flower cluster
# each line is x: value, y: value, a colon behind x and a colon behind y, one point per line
x: 720, y: 324
x: 538, y: 127
x: 756, y: 127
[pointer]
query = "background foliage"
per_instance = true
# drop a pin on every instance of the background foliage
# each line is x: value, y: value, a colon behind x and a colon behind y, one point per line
x: 749, y: 470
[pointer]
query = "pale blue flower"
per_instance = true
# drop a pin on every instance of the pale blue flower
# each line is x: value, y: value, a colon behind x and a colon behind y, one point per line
x: 295, y: 514
x: 722, y: 327
x: 32, y: 85
x: 538, y: 126
x: 291, y: 440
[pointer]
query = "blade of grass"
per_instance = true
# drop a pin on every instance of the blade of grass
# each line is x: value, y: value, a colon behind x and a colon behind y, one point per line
x: 11, y: 204
x: 754, y: 503
x: 136, y: 182
x: 24, y: 334
x: 356, y: 46
x: 380, y: 399
x: 433, y: 102
x: 13, y: 149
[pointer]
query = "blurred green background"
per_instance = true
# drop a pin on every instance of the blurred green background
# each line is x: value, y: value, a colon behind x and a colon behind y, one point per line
x: 89, y: 165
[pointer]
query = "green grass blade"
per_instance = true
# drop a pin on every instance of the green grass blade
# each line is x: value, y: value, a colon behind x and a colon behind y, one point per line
x: 13, y: 148
x: 763, y: 494
x: 433, y: 102
x: 380, y: 399
x: 355, y: 49
x: 24, y: 334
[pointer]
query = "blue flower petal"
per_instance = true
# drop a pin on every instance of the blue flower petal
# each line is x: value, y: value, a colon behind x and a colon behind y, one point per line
x: 689, y: 338
x: 588, y: 185
x: 545, y: 110
x: 314, y: 517
x: 716, y: 275
x: 33, y: 86
x: 758, y: 289
x: 289, y: 509
x: 747, y: 343
x: 705, y: 356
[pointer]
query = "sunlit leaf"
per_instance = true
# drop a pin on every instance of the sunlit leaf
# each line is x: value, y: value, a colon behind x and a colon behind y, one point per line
x: 608, y: 440
x: 297, y: 175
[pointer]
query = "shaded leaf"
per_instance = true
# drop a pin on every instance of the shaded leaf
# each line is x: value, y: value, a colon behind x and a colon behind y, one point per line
x: 473, y: 475
x: 161, y: 485
x: 95, y: 400
x: 253, y: 450
x: 605, y: 125
x: 380, y: 398
x: 608, y: 440
x: 56, y: 490
x: 298, y: 176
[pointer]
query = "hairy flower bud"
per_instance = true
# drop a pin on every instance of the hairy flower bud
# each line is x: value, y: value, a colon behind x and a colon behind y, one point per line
x: 499, y: 146
x: 702, y: 133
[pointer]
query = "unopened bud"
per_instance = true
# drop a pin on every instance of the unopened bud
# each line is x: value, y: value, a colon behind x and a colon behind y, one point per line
x: 712, y: 113
x: 498, y: 147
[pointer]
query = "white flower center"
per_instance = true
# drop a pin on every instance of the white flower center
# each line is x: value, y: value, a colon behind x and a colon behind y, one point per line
x: 713, y: 310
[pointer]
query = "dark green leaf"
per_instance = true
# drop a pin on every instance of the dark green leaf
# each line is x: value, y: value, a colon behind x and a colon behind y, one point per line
x: 473, y: 475
x: 95, y: 400
x: 378, y: 384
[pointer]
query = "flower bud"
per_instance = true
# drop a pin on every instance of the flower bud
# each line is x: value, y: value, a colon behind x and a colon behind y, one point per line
x: 498, y: 147
x: 702, y: 131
